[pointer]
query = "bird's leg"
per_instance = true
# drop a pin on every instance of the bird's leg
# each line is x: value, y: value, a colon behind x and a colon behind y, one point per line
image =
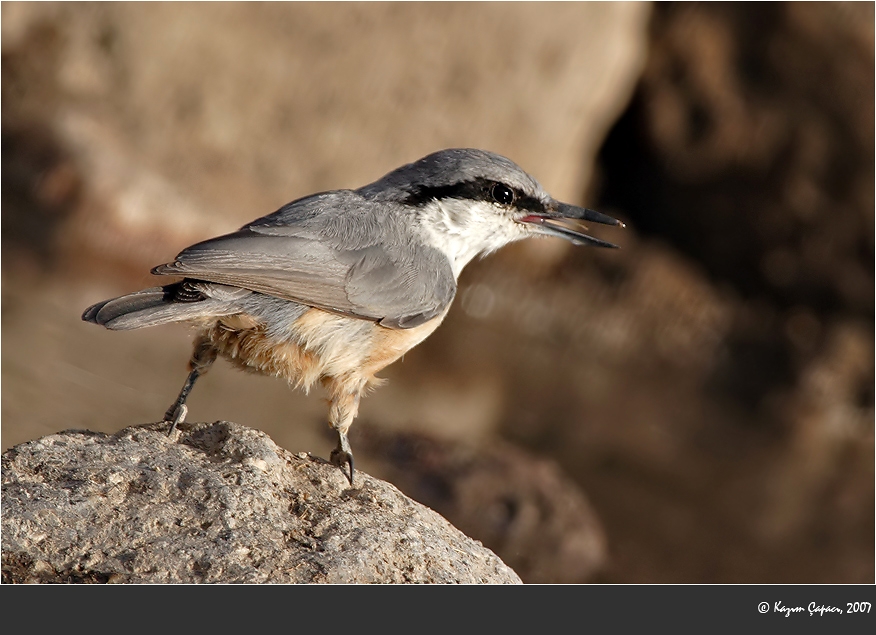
x: 203, y: 356
x: 342, y: 456
x: 344, y: 408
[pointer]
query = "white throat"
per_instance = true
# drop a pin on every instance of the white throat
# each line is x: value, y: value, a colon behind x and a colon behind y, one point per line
x: 462, y: 229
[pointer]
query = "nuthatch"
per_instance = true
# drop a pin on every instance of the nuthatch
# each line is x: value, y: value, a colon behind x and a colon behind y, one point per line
x: 334, y: 287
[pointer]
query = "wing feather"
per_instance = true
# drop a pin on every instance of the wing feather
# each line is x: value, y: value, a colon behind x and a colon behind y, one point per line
x: 347, y: 259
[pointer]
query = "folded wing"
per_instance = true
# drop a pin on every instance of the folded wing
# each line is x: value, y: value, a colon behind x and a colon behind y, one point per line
x: 336, y: 251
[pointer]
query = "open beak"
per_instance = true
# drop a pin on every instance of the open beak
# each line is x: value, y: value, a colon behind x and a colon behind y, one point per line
x: 561, y: 219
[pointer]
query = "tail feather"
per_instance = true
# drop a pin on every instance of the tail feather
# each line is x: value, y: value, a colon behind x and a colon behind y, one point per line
x: 151, y: 307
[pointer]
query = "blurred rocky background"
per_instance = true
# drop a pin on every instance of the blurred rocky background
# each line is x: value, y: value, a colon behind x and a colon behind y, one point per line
x: 696, y: 407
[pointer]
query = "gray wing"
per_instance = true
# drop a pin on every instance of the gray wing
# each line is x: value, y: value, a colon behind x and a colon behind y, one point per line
x: 336, y: 251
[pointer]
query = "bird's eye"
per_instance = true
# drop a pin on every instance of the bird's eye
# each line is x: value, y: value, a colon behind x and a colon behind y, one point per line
x: 502, y: 194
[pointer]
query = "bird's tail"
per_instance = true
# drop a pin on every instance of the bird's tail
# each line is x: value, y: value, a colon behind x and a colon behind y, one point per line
x: 151, y: 307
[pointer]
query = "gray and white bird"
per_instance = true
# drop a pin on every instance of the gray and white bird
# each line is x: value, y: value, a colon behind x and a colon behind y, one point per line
x: 334, y: 287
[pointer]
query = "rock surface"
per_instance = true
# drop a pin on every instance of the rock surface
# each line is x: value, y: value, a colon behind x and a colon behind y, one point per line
x: 520, y: 505
x: 216, y: 502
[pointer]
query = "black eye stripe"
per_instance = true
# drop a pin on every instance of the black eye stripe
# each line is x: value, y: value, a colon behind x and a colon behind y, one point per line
x: 474, y: 190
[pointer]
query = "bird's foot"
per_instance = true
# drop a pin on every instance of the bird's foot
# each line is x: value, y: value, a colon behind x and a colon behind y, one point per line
x: 175, y: 415
x: 342, y: 456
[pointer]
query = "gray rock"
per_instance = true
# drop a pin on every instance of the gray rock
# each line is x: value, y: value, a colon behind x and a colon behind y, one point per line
x: 216, y: 502
x: 520, y: 505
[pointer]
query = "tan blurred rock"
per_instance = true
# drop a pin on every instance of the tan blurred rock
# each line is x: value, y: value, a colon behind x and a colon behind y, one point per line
x: 200, y: 117
x: 828, y: 414
x: 752, y: 133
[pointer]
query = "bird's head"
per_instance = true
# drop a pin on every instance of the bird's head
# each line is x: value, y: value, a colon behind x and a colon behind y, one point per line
x: 470, y: 201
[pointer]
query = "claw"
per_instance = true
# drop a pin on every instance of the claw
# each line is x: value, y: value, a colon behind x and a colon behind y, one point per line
x: 343, y: 455
x: 340, y: 458
x: 201, y: 360
x: 175, y: 415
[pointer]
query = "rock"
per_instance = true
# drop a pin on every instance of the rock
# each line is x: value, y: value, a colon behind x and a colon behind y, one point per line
x: 522, y: 507
x: 188, y: 121
x: 217, y: 503
x: 753, y: 133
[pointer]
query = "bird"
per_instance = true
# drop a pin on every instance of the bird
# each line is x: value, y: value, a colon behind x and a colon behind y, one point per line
x: 335, y: 286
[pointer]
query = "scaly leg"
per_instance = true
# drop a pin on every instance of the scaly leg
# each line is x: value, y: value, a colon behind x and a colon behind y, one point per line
x: 344, y: 408
x: 203, y: 357
x: 342, y: 456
